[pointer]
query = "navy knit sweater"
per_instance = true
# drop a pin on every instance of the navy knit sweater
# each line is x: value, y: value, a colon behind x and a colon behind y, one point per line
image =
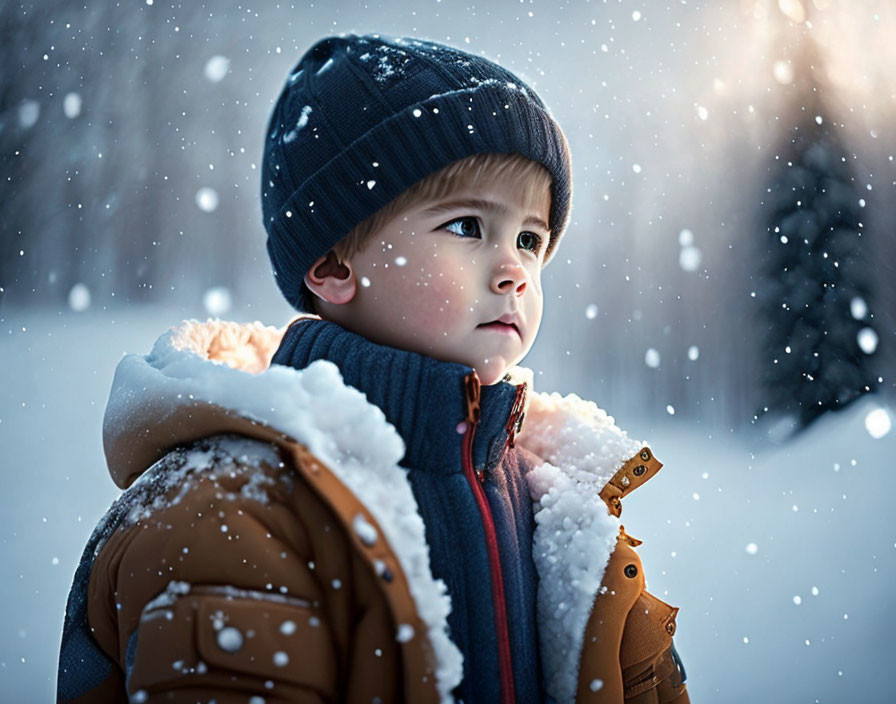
x: 424, y: 399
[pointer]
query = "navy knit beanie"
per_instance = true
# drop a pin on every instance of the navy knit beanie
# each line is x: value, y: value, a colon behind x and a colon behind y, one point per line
x: 363, y: 118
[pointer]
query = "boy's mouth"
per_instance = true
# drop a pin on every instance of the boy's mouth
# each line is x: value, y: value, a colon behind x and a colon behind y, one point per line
x: 501, y: 326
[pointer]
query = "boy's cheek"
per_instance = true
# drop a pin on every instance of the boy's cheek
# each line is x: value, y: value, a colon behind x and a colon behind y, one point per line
x: 432, y: 293
x: 414, y: 308
x: 432, y: 315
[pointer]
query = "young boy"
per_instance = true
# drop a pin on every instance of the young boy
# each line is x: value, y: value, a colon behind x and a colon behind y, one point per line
x: 372, y: 505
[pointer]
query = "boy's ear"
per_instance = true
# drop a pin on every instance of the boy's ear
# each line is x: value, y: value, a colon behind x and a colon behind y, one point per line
x: 332, y: 280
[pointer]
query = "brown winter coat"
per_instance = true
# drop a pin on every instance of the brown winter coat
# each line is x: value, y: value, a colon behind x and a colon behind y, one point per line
x: 249, y: 576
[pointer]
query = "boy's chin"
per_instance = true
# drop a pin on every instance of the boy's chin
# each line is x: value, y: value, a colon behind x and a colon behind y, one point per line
x: 493, y: 371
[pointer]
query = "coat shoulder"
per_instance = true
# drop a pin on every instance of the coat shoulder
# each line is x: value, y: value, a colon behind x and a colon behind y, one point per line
x: 262, y: 534
x: 220, y: 510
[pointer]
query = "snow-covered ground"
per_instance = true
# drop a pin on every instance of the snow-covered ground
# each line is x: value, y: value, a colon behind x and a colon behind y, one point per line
x: 782, y: 559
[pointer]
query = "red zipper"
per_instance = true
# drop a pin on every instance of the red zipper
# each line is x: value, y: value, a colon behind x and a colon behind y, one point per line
x: 505, y: 664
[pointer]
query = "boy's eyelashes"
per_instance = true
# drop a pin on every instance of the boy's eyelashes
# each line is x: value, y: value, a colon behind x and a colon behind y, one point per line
x: 468, y: 226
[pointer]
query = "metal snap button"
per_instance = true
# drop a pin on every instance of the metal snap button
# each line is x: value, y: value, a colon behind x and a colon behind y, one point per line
x: 625, y: 481
x: 645, y: 454
x: 631, y: 571
x: 670, y: 627
x: 639, y: 470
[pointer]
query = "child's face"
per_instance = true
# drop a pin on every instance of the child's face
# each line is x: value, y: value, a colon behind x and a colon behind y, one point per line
x: 436, y: 278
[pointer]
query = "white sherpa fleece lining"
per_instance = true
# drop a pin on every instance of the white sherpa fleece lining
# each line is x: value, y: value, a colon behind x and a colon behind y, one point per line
x: 574, y: 534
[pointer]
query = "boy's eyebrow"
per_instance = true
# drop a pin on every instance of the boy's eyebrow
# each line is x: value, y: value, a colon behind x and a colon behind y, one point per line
x: 480, y: 204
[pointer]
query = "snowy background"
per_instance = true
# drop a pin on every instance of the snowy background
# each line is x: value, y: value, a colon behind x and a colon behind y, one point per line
x: 130, y: 138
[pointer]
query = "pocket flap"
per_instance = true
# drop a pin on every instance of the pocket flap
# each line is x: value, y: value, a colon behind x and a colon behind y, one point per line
x: 648, y: 630
x: 277, y: 641
x: 189, y: 639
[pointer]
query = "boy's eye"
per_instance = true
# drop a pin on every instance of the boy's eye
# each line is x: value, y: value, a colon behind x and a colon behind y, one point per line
x: 468, y: 226
x: 464, y: 227
x: 529, y: 241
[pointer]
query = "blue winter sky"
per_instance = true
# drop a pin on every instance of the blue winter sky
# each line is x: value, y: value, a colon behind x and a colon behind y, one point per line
x: 131, y: 140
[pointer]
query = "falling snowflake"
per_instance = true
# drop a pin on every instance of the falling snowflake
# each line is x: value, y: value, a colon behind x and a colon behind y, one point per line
x: 689, y: 258
x: 71, y: 105
x: 216, y: 68
x: 783, y: 72
x: 867, y: 340
x: 878, y: 423
x: 79, y: 298
x: 207, y: 199
x: 230, y: 639
x: 29, y: 111
x: 217, y: 301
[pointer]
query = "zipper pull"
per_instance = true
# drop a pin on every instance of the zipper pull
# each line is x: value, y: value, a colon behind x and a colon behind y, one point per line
x: 515, y: 421
x: 473, y: 393
x: 473, y: 390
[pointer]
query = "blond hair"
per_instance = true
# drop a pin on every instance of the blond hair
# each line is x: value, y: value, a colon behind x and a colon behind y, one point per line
x: 532, y: 178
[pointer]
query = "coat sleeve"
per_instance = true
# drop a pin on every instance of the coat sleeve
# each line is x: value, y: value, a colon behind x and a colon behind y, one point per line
x: 211, y: 593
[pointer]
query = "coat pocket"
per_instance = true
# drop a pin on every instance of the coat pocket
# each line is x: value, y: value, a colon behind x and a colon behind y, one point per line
x: 223, y: 638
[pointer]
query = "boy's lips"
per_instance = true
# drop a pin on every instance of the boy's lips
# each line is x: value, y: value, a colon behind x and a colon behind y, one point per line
x: 507, y: 324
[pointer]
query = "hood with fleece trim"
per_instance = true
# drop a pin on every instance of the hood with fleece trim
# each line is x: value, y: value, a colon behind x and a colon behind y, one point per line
x: 204, y: 378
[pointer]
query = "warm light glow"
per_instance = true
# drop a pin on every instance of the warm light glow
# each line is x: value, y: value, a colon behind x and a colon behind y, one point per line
x: 760, y: 11
x: 783, y: 72
x: 854, y: 45
x: 793, y: 10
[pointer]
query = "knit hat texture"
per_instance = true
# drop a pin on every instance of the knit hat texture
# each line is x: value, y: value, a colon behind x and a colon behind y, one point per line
x: 363, y: 118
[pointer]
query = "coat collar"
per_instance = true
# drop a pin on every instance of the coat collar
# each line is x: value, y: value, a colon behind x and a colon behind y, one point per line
x: 423, y: 398
x: 202, y: 378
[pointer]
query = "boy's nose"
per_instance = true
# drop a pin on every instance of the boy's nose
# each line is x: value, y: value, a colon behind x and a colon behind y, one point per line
x: 509, y: 278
